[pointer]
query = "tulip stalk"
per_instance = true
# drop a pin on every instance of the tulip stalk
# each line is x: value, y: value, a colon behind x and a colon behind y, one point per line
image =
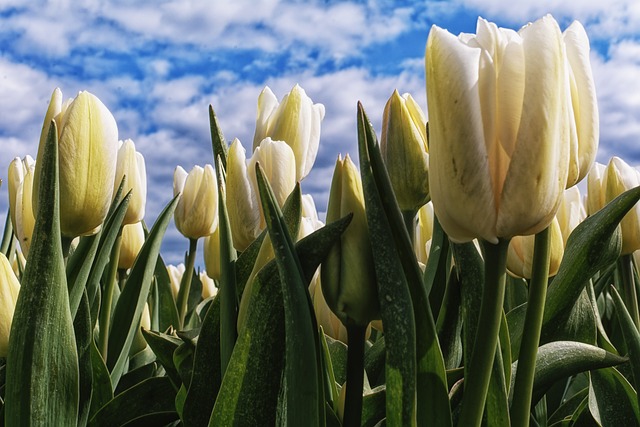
x: 477, y: 385
x: 355, y: 375
x: 523, y: 388
x: 107, y: 302
x: 409, y: 217
x: 185, y: 283
x: 625, y: 265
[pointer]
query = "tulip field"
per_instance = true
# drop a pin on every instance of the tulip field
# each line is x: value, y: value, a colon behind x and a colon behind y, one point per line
x: 461, y: 277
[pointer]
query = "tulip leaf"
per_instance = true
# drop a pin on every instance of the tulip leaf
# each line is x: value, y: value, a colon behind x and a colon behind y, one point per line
x: 330, y: 387
x: 303, y: 397
x: 78, y: 268
x: 449, y: 324
x: 373, y: 406
x: 248, y: 391
x: 128, y: 309
x: 150, y: 402
x: 84, y: 338
x: 593, y: 245
x: 404, y: 302
x: 228, y: 292
x: 631, y: 336
x: 218, y: 143
x: 568, y: 407
x: 374, y: 361
x: 612, y: 400
x: 101, y: 392
x: 163, y: 347
x: 562, y: 359
x: 435, y: 273
x: 7, y: 235
x: 42, y: 363
x: 165, y: 305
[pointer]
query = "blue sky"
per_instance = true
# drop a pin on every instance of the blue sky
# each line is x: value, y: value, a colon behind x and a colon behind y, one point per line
x: 159, y: 64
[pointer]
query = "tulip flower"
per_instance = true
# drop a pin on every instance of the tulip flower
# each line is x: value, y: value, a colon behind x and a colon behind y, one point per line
x: 245, y: 213
x: 607, y: 184
x: 196, y: 214
x: 571, y: 212
x: 405, y: 151
x: 9, y: 289
x: 347, y: 275
x: 212, y: 255
x: 20, y: 200
x: 423, y: 233
x: 295, y: 120
x: 209, y: 288
x: 130, y: 244
x: 175, y: 277
x: 139, y: 343
x: 583, y: 112
x: 87, y: 147
x: 330, y: 323
x: 499, y: 155
x: 130, y: 163
x: 520, y: 253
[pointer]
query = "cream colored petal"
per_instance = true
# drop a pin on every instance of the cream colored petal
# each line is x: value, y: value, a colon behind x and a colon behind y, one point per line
x: 619, y: 178
x: 9, y: 289
x: 267, y: 104
x: 595, y: 188
x: 242, y: 202
x: 278, y: 163
x: 459, y: 180
x: 537, y: 173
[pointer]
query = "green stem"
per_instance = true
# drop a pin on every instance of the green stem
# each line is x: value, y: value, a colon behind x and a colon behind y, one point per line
x: 66, y: 247
x: 629, y: 287
x: 410, y: 223
x: 185, y: 283
x: 355, y: 376
x: 477, y: 385
x: 523, y: 388
x: 107, y: 297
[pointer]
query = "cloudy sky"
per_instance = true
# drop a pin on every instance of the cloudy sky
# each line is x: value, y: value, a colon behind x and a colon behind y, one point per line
x: 158, y: 65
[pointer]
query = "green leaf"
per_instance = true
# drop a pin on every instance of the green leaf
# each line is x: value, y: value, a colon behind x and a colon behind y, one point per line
x: 373, y: 406
x: 374, y: 360
x: 150, y: 402
x: 218, y: 143
x: 303, y: 396
x: 569, y: 406
x: 436, y: 272
x: 405, y: 308
x: 248, y: 393
x: 449, y: 324
x: 631, y: 336
x: 561, y: 359
x: 7, y: 235
x: 593, y: 245
x: 165, y: 304
x: 338, y: 352
x: 84, y: 338
x: 612, y: 400
x: 163, y: 347
x: 126, y: 316
x: 42, y: 363
x: 102, y: 392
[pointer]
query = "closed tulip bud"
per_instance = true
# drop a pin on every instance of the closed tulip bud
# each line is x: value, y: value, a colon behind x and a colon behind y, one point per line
x: 520, y: 253
x: 175, y: 276
x: 245, y: 212
x: 571, y: 212
x: 196, y: 214
x: 405, y: 151
x: 498, y: 149
x: 295, y: 120
x: 212, y: 255
x: 209, y: 288
x: 583, y: 112
x: 87, y: 149
x: 619, y: 178
x: 424, y: 232
x: 130, y: 244
x: 131, y: 164
x: 9, y: 289
x: 20, y: 200
x: 595, y: 194
x: 347, y: 274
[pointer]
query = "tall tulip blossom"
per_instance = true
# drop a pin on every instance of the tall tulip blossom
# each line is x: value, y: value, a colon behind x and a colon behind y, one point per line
x: 499, y: 154
x: 131, y: 164
x: 87, y: 147
x: 295, y: 120
x: 21, y: 173
x: 197, y: 212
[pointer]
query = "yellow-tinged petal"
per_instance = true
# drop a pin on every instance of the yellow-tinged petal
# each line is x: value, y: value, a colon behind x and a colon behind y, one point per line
x: 9, y: 289
x: 212, y: 255
x: 130, y: 244
x: 131, y: 164
x: 619, y: 178
x: 595, y: 188
x: 196, y: 214
x: 520, y: 253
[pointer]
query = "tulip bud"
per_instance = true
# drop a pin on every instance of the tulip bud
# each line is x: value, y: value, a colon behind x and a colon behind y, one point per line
x: 619, y: 178
x: 348, y: 276
x: 209, y: 288
x: 130, y: 244
x: 330, y: 323
x: 196, y: 214
x: 175, y: 276
x: 87, y: 149
x: 424, y: 233
x: 571, y: 212
x: 139, y: 343
x: 212, y: 255
x: 405, y: 151
x: 520, y: 253
x: 245, y: 212
x: 296, y: 121
x: 595, y: 185
x: 498, y: 152
x: 583, y: 109
x: 131, y: 164
x: 20, y: 196
x: 9, y: 289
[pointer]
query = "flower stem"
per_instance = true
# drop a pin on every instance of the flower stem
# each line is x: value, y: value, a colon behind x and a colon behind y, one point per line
x: 625, y: 264
x: 185, y: 283
x: 410, y: 223
x: 355, y: 375
x: 523, y: 388
x: 477, y: 385
x: 107, y: 298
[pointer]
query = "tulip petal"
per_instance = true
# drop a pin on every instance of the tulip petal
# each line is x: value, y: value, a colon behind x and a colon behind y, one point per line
x: 458, y: 165
x: 267, y: 104
x: 242, y: 202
